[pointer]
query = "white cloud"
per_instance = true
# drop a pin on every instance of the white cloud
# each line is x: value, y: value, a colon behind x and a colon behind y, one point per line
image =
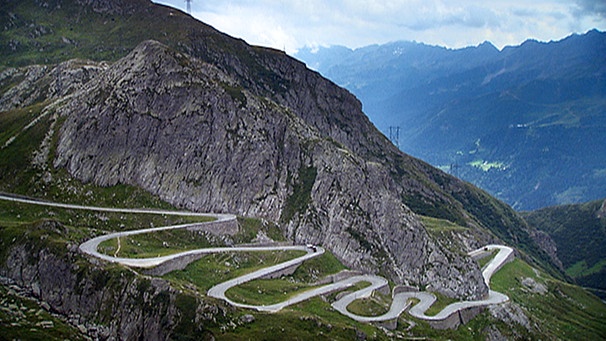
x: 293, y: 24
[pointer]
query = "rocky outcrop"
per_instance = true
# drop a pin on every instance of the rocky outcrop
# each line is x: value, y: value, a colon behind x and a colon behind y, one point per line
x: 190, y: 133
x: 547, y: 244
x: 39, y: 83
x: 512, y: 315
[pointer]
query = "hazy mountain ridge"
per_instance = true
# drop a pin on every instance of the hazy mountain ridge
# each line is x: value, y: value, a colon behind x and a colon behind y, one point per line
x: 524, y: 123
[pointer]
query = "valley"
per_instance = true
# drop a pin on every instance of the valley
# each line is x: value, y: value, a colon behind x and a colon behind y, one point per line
x: 580, y: 233
x: 524, y: 123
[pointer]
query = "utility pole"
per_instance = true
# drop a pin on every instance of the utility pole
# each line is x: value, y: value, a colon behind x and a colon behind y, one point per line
x: 454, y: 169
x: 394, y: 135
x: 188, y: 6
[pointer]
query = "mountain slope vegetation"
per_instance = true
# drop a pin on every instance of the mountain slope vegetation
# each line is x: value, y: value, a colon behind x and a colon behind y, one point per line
x: 580, y: 234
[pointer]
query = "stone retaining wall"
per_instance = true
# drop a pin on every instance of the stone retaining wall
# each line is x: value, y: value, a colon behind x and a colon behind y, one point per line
x: 178, y: 263
x: 284, y: 272
x: 457, y: 319
x: 404, y: 288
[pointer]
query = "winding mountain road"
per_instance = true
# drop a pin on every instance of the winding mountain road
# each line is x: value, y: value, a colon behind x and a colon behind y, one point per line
x: 400, y: 301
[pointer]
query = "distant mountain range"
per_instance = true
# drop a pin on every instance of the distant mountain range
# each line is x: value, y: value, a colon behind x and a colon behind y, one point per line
x: 526, y: 123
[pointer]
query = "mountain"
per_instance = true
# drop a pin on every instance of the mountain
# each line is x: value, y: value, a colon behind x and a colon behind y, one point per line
x: 124, y: 103
x: 580, y: 234
x: 524, y: 123
x: 184, y: 125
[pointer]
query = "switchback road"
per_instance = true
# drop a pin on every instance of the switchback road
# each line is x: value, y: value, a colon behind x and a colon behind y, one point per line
x: 400, y: 301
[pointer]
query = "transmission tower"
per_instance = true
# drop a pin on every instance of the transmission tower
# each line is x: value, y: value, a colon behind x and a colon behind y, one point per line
x: 188, y: 6
x: 454, y: 169
x: 394, y: 135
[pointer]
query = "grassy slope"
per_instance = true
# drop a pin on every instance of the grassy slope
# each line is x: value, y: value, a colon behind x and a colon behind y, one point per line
x: 565, y: 311
x: 580, y: 237
x: 50, y: 34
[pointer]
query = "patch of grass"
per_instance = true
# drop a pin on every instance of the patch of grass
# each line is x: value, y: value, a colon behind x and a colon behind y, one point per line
x: 250, y: 227
x: 581, y: 269
x: 474, y: 330
x: 39, y: 235
x: 316, y: 268
x: 156, y: 244
x: 359, y: 285
x: 317, y: 308
x: 15, y: 214
x: 16, y: 171
x: 375, y: 305
x: 13, y: 121
x: 437, y: 208
x: 577, y: 269
x: 236, y: 93
x: 441, y: 302
x: 437, y: 224
x: 359, y: 238
x: 310, y: 320
x: 298, y: 201
x: 509, y: 276
x: 486, y: 259
x: 266, y: 291
x: 216, y: 268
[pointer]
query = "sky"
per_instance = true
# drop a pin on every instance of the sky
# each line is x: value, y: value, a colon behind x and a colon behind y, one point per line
x: 290, y: 25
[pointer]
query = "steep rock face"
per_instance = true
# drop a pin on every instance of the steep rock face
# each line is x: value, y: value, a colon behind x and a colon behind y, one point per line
x: 185, y: 130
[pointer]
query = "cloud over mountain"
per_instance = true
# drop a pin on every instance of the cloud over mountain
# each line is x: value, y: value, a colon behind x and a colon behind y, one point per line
x: 294, y: 24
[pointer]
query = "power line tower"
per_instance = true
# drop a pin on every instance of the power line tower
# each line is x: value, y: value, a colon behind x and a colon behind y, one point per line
x: 394, y: 135
x: 188, y: 6
x: 454, y: 169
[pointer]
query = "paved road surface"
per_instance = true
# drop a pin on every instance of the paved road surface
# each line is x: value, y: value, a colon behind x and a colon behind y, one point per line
x: 400, y: 301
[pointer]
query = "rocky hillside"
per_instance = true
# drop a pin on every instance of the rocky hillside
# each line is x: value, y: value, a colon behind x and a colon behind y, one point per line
x: 207, y: 122
x: 525, y: 123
